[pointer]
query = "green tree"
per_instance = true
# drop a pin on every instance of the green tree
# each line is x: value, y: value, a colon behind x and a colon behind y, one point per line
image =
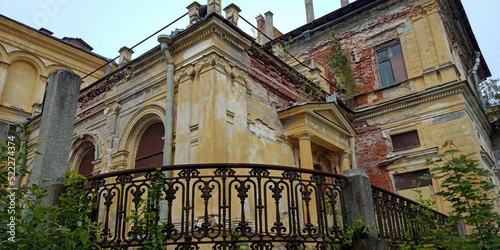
x: 470, y: 191
x: 36, y: 225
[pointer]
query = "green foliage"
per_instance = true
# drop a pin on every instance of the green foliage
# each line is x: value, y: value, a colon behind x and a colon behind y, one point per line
x: 468, y: 188
x: 286, y: 47
x: 491, y: 91
x: 355, y: 233
x: 38, y: 226
x: 144, y: 219
x: 338, y: 59
x: 433, y: 233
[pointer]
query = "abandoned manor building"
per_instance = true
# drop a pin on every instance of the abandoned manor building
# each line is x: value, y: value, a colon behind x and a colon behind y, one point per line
x: 211, y: 102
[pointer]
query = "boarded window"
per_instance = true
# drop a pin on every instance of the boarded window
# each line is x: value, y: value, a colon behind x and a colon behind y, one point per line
x: 391, y: 65
x: 411, y: 180
x: 405, y: 140
x: 86, y: 167
x: 150, y: 149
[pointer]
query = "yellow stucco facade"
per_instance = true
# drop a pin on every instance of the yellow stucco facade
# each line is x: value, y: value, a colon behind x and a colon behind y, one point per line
x: 27, y: 58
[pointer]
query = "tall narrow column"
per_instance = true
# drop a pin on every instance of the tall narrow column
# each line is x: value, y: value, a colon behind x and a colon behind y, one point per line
x: 344, y: 161
x: 269, y: 26
x: 306, y: 160
x: 56, y: 129
x: 309, y: 11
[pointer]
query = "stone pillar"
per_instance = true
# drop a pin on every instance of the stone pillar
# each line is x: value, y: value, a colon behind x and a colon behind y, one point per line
x: 309, y: 11
x: 359, y: 205
x: 213, y: 6
x: 344, y: 161
x: 194, y: 13
x: 232, y: 13
x: 306, y: 160
x: 125, y: 55
x: 56, y: 129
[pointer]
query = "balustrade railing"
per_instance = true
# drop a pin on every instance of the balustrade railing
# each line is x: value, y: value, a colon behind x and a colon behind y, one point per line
x: 220, y: 205
x: 400, y: 219
x: 224, y: 206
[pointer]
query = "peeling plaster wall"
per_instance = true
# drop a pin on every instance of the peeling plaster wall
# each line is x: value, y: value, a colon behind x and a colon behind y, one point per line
x: 432, y: 42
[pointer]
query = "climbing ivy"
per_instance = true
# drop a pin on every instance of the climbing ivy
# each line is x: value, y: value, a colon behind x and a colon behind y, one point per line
x: 338, y: 60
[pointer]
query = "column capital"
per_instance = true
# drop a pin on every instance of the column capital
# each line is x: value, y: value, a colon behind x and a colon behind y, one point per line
x: 304, y: 136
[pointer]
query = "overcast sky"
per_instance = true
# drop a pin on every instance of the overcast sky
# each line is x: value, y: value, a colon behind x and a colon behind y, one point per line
x: 111, y: 24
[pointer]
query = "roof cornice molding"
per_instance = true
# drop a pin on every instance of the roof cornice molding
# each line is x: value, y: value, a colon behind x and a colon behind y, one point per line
x: 54, y: 44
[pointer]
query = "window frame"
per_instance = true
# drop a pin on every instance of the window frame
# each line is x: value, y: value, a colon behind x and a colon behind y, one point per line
x: 407, y: 147
x: 387, y: 47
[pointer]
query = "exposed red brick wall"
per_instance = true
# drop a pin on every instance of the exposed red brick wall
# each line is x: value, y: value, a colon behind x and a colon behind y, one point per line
x: 98, y: 90
x: 372, y: 148
x: 359, y: 41
x: 281, y: 83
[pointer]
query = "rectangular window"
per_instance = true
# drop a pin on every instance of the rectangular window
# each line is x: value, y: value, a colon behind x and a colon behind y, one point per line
x: 405, y: 140
x: 391, y: 65
x: 411, y: 180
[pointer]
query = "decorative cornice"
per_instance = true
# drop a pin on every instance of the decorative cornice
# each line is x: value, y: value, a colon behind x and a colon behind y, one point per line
x: 48, y: 46
x: 212, y: 59
x: 137, y: 69
x: 425, y: 9
x: 411, y: 101
x: 213, y: 28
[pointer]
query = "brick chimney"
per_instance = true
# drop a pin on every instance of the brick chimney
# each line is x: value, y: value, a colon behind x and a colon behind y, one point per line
x: 268, y: 25
x: 213, y: 6
x: 260, y: 26
x: 194, y: 13
x: 309, y: 11
x: 344, y: 3
x: 232, y: 13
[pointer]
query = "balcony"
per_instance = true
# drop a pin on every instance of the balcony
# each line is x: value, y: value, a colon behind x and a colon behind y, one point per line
x: 223, y: 206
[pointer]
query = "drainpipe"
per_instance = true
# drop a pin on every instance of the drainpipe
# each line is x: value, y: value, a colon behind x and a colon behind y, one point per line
x: 165, y: 40
x: 110, y: 66
x: 476, y: 79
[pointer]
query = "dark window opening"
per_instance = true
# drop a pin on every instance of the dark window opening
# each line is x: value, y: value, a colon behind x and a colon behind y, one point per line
x: 391, y: 65
x: 405, y: 140
x: 411, y: 180
x: 86, y: 167
x: 150, y: 149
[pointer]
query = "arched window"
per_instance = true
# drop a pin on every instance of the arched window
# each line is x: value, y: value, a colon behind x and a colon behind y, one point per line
x: 150, y: 149
x: 86, y: 167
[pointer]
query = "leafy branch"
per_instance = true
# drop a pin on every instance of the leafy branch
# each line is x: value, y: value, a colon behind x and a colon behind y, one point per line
x: 338, y: 59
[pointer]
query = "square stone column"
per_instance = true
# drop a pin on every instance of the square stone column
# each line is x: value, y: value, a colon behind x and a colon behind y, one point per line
x: 358, y: 199
x: 56, y: 130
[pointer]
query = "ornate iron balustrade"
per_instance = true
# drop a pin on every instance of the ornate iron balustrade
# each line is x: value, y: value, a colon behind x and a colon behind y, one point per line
x: 396, y: 217
x: 221, y: 205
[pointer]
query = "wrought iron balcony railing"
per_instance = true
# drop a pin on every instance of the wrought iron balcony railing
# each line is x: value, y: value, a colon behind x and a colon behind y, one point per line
x: 400, y: 219
x: 224, y: 206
